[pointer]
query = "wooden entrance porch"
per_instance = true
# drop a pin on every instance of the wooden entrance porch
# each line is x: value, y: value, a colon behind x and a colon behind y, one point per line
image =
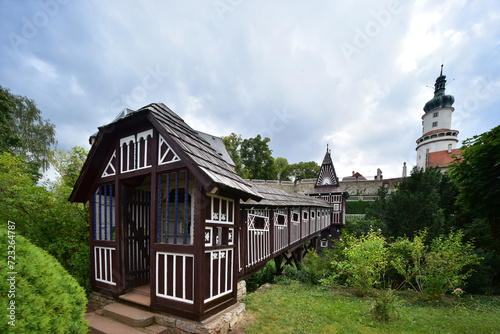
x: 140, y: 295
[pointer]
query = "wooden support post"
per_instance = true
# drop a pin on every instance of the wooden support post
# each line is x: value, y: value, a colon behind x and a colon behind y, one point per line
x: 278, y: 261
x: 297, y: 257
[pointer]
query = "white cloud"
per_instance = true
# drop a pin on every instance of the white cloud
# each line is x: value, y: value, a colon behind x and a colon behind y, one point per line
x: 239, y: 72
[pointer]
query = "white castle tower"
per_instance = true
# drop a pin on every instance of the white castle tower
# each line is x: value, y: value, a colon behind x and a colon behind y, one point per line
x: 438, y: 142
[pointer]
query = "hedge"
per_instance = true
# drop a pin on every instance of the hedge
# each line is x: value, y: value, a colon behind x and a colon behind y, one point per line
x: 358, y: 207
x: 41, y: 297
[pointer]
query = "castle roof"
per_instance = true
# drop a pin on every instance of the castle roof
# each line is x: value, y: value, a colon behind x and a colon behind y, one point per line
x: 440, y: 99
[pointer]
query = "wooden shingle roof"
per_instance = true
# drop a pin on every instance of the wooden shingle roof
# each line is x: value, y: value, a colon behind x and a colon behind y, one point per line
x: 196, y: 153
x: 276, y: 197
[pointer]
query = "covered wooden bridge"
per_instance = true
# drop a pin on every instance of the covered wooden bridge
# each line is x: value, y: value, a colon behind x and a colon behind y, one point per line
x: 169, y: 214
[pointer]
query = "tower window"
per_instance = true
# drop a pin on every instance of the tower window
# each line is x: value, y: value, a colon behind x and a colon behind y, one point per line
x: 436, y: 114
x: 449, y: 148
x: 434, y: 124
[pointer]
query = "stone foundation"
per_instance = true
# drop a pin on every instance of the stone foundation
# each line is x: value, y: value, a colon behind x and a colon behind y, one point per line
x: 100, y: 300
x: 242, y: 290
x: 219, y: 323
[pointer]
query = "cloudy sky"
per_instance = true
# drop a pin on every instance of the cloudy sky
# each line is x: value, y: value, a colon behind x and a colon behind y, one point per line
x: 351, y: 74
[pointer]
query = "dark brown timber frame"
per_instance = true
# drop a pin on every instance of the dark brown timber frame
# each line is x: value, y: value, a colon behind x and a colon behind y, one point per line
x: 233, y: 220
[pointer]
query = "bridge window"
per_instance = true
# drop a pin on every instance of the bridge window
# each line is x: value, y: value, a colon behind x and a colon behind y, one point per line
x: 295, y: 217
x: 104, y: 212
x: 175, y: 208
x: 280, y: 219
x: 324, y: 243
x: 221, y: 210
x: 305, y: 215
x: 258, y: 222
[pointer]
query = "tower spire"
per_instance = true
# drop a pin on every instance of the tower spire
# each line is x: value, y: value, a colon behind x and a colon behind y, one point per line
x: 440, y: 99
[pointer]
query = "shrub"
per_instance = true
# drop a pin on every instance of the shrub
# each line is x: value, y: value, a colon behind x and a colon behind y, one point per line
x: 447, y: 265
x: 365, y: 261
x: 363, y: 225
x: 263, y: 276
x: 45, y: 217
x: 384, y: 305
x: 357, y: 207
x: 316, y: 266
x: 370, y: 263
x: 47, y: 299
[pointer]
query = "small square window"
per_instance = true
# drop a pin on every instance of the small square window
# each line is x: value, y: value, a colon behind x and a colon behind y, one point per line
x: 434, y: 124
x: 436, y: 114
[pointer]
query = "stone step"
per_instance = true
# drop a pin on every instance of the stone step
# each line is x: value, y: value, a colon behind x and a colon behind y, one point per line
x: 137, y: 298
x: 128, y: 315
x: 144, y: 290
x: 101, y: 325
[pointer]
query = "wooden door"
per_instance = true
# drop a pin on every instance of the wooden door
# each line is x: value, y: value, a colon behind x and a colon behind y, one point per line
x: 136, y: 217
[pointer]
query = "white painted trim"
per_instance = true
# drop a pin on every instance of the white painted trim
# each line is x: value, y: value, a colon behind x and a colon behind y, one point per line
x: 175, y: 256
x: 161, y: 157
x: 229, y: 255
x: 135, y: 139
x: 108, y: 275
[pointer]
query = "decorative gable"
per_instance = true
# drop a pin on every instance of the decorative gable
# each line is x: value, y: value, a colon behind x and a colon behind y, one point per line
x: 327, y: 176
x: 166, y: 154
x: 134, y: 151
x: 110, y: 169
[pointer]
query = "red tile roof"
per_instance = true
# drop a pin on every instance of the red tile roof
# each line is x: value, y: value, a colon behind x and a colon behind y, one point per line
x: 442, y: 158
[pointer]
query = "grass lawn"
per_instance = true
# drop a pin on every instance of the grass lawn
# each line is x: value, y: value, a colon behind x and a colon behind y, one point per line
x: 300, y: 308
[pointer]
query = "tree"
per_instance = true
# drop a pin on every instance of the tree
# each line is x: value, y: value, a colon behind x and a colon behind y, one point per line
x: 282, y: 167
x: 30, y: 136
x: 476, y: 173
x: 45, y: 217
x: 304, y: 170
x: 68, y: 164
x: 423, y: 201
x: 257, y: 160
x: 232, y: 144
x: 8, y: 139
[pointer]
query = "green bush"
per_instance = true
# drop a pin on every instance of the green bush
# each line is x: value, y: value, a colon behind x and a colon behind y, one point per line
x: 374, y: 267
x: 46, y: 298
x: 363, y: 225
x: 365, y: 261
x: 316, y: 266
x: 45, y: 217
x: 357, y: 207
x: 263, y: 276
